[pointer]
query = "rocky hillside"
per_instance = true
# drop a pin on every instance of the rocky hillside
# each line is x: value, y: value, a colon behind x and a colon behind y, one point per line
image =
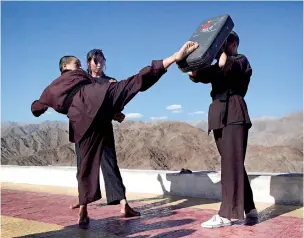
x: 276, y: 145
x: 272, y: 131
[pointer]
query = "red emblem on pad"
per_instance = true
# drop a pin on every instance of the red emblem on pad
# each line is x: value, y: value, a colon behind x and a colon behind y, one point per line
x: 208, y: 27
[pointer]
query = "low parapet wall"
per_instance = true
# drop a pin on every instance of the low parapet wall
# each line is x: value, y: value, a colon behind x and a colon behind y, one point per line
x: 267, y: 187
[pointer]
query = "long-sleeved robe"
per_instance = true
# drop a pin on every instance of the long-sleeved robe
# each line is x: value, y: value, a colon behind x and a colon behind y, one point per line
x: 234, y: 76
x: 91, y: 109
x: 229, y: 119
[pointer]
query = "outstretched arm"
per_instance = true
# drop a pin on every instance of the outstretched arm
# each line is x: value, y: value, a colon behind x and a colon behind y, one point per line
x: 38, y: 108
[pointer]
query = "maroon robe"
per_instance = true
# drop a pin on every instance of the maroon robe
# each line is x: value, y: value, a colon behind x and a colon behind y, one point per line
x: 229, y: 119
x: 90, y: 112
x: 235, y: 75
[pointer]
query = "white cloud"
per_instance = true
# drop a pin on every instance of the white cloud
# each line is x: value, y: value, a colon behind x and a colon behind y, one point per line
x: 134, y: 115
x: 199, y: 112
x: 177, y: 111
x: 158, y: 118
x: 174, y: 107
x: 196, y: 113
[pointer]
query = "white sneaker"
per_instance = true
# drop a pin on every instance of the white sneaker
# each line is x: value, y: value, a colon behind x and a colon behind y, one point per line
x: 216, y: 221
x: 252, y: 214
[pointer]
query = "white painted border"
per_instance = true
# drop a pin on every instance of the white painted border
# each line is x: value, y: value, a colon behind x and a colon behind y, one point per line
x: 267, y: 187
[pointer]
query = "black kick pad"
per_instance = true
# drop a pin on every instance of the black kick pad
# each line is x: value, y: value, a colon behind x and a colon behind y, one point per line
x: 210, y: 35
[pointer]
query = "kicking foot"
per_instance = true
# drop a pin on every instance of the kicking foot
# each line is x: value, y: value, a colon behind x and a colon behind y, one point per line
x: 75, y: 206
x: 127, y: 211
x: 216, y: 222
x: 83, y: 220
x: 186, y: 50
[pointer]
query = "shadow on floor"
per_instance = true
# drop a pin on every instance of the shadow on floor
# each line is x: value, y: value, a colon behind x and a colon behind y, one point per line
x: 281, y: 189
x: 115, y: 227
x: 166, y: 205
x: 119, y: 227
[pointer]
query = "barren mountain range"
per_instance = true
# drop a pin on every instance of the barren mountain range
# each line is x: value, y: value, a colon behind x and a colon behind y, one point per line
x: 275, y: 145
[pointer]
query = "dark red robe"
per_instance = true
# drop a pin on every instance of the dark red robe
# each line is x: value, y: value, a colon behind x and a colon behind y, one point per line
x: 90, y: 112
x: 235, y: 75
x: 229, y: 119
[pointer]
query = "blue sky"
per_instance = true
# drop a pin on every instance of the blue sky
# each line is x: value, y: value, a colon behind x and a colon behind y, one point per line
x: 36, y: 34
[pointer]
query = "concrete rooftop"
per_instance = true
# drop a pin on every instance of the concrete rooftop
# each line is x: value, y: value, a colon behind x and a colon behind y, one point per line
x: 43, y: 211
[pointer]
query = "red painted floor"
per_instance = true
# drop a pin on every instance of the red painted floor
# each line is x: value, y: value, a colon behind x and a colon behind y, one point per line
x: 158, y: 219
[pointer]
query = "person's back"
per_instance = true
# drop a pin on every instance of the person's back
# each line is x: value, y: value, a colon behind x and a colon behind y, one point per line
x: 74, y: 94
x: 55, y: 94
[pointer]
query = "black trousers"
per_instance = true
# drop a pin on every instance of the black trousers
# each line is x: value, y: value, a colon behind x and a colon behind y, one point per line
x: 115, y: 189
x: 237, y: 194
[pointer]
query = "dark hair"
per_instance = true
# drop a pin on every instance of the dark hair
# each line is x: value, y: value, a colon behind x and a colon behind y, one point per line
x: 233, y: 37
x: 95, y: 54
x: 65, y: 60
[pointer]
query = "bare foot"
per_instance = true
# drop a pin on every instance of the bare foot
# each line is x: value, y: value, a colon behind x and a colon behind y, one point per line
x: 75, y: 206
x: 186, y: 50
x: 127, y: 211
x: 83, y: 220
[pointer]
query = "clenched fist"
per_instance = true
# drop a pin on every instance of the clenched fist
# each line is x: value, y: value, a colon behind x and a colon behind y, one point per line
x: 119, y: 117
